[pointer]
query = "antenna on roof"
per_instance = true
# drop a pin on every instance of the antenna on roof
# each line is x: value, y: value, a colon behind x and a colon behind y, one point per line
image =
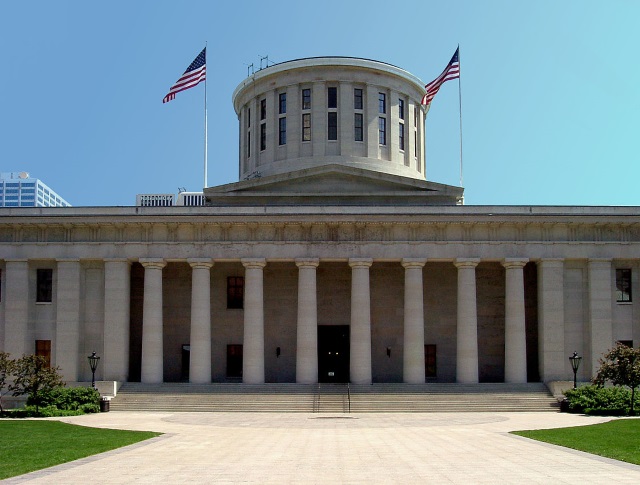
x: 264, y: 58
x: 250, y: 70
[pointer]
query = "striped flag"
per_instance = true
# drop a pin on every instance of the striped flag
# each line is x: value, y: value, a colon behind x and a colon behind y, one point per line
x: 196, y: 72
x: 452, y: 71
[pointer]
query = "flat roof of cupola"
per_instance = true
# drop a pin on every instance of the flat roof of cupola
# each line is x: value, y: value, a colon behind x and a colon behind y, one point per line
x: 327, y: 61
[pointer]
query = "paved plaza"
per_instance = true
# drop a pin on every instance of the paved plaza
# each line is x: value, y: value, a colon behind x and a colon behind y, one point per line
x: 279, y: 448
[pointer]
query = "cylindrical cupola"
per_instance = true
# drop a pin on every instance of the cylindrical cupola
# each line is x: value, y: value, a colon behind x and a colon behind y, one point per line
x: 331, y: 110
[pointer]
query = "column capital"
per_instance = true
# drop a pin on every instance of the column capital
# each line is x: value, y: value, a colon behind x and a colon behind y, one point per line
x: 360, y: 262
x: 307, y: 262
x: 203, y: 263
x: 413, y: 262
x: 116, y: 260
x: 155, y: 263
x: 254, y: 263
x: 466, y: 262
x: 514, y: 262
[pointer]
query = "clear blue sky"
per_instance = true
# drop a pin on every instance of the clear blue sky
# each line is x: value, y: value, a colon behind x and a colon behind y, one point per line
x: 550, y: 90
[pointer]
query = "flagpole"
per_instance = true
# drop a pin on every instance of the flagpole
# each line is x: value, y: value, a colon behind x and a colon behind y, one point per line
x: 460, y: 105
x: 205, y: 124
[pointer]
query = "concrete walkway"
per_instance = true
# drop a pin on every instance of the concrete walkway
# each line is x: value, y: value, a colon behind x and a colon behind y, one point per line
x: 464, y: 448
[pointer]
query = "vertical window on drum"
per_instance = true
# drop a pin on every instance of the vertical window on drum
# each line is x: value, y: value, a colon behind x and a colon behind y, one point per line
x: 306, y: 127
x: 401, y: 109
x: 263, y: 109
x: 282, y: 130
x: 332, y: 97
x: 382, y: 131
x: 235, y: 292
x: 263, y: 136
x: 357, y: 98
x: 623, y: 285
x: 306, y: 99
x: 357, y: 127
x: 248, y: 144
x: 332, y: 125
x: 44, y: 285
x: 282, y: 103
x: 382, y: 103
x: 401, y: 136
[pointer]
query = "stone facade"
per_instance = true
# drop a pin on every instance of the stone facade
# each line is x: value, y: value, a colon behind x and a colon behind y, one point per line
x: 351, y: 266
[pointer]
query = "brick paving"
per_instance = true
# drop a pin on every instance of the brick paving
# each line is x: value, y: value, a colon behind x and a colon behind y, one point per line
x: 438, y: 448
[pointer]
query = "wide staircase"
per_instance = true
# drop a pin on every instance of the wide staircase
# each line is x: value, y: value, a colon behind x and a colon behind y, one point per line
x: 334, y: 398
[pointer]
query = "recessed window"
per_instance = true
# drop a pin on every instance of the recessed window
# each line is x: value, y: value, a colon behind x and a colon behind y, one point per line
x: 332, y: 125
x: 248, y: 144
x: 357, y: 98
x: 306, y: 99
x: 263, y: 136
x: 357, y: 127
x: 282, y: 131
x: 282, y: 103
x: 401, y: 109
x: 623, y: 285
x: 430, y: 362
x: 382, y: 103
x: 401, y: 136
x: 332, y: 97
x: 382, y: 131
x: 263, y: 109
x: 248, y: 117
x: 306, y: 127
x: 44, y: 288
x: 235, y: 292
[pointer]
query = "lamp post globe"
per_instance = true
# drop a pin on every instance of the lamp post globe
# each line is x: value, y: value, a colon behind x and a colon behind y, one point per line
x: 93, y: 363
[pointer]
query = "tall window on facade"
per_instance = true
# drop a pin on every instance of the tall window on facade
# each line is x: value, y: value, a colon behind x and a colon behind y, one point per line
x: 235, y: 292
x: 430, y: 363
x: 263, y: 136
x: 623, y: 285
x: 382, y: 131
x: 357, y: 98
x: 332, y: 125
x: 306, y: 127
x: 282, y: 103
x: 263, y: 109
x: 248, y: 132
x: 401, y: 136
x: 306, y: 99
x: 43, y: 349
x: 282, y: 130
x: 401, y: 109
x: 332, y: 97
x: 357, y: 127
x: 382, y: 103
x: 44, y: 285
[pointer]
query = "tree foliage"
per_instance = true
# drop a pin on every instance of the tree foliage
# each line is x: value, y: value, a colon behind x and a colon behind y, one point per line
x: 7, y: 369
x: 621, y: 367
x: 32, y: 376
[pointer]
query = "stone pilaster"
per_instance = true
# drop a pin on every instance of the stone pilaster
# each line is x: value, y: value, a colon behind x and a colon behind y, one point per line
x: 307, y: 336
x: 253, y: 347
x: 117, y: 291
x: 551, y: 352
x: 152, y: 371
x: 16, y: 316
x: 600, y: 326
x: 68, y: 333
x: 413, y: 362
x: 467, y: 334
x: 515, y: 334
x: 200, y: 342
x: 360, y: 355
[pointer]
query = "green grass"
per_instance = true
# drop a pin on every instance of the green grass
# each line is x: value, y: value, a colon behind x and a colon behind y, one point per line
x: 619, y: 439
x: 27, y: 446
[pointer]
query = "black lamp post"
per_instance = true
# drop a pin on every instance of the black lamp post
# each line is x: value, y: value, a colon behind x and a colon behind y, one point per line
x: 93, y: 363
x: 575, y: 363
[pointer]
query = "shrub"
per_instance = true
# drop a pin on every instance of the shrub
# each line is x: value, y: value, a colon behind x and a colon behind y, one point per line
x: 596, y: 400
x: 70, y: 399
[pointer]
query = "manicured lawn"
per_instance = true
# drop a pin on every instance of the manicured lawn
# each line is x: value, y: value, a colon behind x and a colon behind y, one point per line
x: 618, y: 439
x: 27, y: 446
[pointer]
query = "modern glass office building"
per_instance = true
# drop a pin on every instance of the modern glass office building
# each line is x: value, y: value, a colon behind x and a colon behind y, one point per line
x: 19, y: 189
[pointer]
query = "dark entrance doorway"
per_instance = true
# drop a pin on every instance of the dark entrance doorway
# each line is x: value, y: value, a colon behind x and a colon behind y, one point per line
x: 333, y: 353
x: 186, y: 358
x: 234, y: 361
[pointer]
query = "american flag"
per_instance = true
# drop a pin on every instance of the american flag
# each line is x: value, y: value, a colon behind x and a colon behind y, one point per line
x: 196, y: 72
x: 452, y: 71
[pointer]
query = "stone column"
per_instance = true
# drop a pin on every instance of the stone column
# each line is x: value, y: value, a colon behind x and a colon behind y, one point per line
x: 152, y: 371
x: 467, y: 332
x: 200, y: 342
x: 307, y: 336
x: 17, y: 338
x: 68, y: 333
x: 413, y: 363
x: 253, y: 347
x: 117, y: 295
x: 551, y: 351
x: 515, y: 334
x: 600, y: 328
x: 360, y: 340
